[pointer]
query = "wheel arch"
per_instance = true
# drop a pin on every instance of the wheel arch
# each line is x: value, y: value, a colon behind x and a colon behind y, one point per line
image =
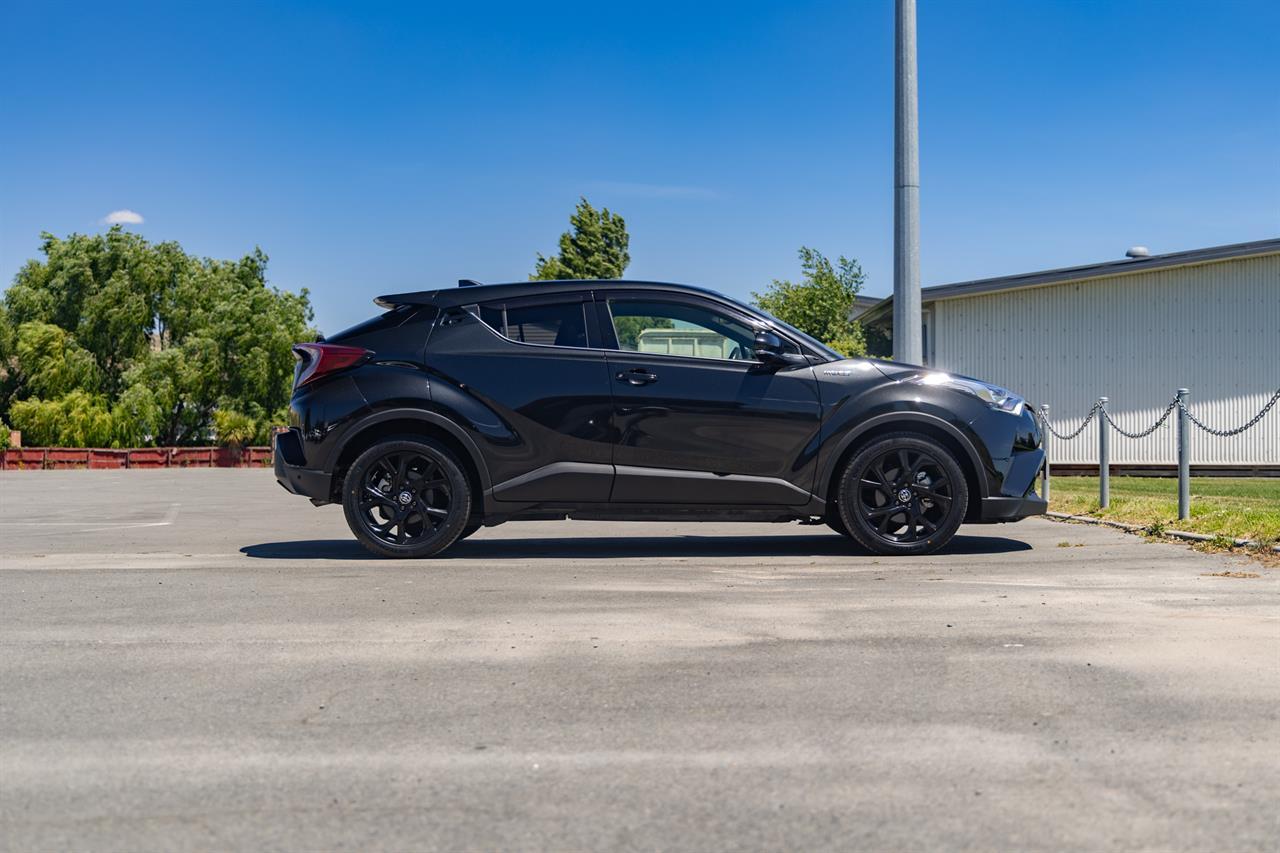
x: 412, y: 423
x: 921, y: 424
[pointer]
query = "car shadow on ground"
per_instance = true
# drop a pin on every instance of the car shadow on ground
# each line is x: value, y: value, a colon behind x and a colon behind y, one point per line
x: 825, y: 545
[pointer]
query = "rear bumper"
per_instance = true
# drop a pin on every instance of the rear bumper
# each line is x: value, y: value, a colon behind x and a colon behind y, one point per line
x: 296, y: 478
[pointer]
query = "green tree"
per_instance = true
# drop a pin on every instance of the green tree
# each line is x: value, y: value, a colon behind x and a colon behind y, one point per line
x: 595, y: 246
x: 135, y: 416
x: 820, y: 304
x: 77, y: 419
x: 51, y: 363
x: 157, y: 339
x: 8, y: 338
x: 234, y: 429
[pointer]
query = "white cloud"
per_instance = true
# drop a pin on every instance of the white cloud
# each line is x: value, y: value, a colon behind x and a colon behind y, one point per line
x: 123, y: 217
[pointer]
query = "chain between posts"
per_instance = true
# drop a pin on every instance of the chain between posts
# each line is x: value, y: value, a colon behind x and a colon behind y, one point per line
x: 1185, y: 416
x: 1225, y: 433
x: 1146, y: 432
x: 1087, y: 418
x: 1175, y: 403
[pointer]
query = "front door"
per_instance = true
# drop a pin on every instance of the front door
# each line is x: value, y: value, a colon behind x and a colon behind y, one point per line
x: 696, y: 418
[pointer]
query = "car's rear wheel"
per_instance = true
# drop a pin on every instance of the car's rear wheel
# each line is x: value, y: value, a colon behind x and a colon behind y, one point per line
x: 903, y: 494
x: 406, y: 498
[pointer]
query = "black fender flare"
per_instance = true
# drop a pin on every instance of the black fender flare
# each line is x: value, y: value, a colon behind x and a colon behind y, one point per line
x: 434, y: 418
x: 863, y: 427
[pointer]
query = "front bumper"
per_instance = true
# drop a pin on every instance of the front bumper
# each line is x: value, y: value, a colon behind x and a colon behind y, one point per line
x: 307, y: 482
x: 1018, y: 498
x: 996, y: 510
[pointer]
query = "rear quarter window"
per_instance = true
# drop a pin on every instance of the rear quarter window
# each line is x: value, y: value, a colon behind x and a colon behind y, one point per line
x: 561, y: 324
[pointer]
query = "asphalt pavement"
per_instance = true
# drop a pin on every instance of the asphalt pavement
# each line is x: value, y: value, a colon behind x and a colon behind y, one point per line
x: 194, y: 659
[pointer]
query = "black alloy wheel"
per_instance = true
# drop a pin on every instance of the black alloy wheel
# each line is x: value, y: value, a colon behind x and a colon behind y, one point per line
x: 903, y: 494
x: 836, y: 523
x: 406, y: 498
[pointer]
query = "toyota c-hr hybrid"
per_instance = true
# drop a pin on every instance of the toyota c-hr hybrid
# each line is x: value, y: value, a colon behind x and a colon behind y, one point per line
x: 637, y: 401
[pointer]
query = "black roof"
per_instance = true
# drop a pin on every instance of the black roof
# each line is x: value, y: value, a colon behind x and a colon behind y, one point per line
x: 448, y: 297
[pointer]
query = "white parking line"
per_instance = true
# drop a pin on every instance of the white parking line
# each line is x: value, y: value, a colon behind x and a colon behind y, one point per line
x: 169, y: 518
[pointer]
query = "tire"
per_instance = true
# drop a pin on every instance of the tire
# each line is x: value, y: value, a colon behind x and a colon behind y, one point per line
x: 903, y: 494
x: 468, y: 530
x: 836, y: 523
x: 406, y: 498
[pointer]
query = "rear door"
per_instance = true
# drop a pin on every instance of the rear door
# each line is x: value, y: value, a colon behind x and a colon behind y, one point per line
x: 696, y: 418
x: 529, y: 375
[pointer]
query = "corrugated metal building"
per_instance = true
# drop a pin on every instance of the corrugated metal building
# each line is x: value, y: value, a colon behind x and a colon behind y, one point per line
x: 1133, y: 330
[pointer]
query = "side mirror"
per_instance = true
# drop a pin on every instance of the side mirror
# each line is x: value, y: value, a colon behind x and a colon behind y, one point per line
x: 771, y: 350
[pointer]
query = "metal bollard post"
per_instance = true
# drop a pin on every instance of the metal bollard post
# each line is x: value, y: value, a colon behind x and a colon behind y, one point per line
x: 1044, y: 479
x: 1104, y: 456
x: 1184, y: 458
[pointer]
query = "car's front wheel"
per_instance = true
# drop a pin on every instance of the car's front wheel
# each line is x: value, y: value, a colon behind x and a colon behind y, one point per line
x: 903, y: 494
x: 406, y: 498
x: 836, y: 523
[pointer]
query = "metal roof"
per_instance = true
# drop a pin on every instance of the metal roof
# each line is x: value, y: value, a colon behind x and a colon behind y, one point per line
x: 1121, y: 266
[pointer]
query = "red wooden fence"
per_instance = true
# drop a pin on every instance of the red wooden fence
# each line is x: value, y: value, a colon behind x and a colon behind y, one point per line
x: 38, y: 458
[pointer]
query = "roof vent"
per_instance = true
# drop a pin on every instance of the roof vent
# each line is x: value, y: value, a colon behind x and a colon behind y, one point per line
x: 1138, y: 252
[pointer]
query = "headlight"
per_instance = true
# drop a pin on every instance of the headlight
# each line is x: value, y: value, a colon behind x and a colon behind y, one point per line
x: 993, y: 395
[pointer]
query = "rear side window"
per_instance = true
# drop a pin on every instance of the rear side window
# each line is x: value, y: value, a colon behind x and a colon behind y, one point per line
x: 493, y: 318
x: 561, y: 324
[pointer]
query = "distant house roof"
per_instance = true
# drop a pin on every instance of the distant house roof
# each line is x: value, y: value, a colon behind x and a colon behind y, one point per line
x: 1122, y: 266
x: 863, y: 304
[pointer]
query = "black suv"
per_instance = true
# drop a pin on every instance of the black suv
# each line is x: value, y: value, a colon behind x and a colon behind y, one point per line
x: 638, y: 401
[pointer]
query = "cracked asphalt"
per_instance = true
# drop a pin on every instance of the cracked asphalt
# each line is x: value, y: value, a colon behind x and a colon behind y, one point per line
x: 192, y: 659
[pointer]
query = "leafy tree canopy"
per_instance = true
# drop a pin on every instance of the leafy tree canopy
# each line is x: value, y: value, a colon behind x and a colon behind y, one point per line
x: 595, y: 246
x: 112, y: 340
x: 821, y: 303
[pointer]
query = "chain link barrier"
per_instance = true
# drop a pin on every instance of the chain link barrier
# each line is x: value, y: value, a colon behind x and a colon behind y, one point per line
x: 1087, y: 418
x: 1225, y: 433
x: 1175, y: 403
x: 1185, y: 417
x: 1146, y: 432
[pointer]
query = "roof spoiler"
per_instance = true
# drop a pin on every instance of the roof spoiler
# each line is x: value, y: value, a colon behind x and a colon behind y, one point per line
x: 419, y: 297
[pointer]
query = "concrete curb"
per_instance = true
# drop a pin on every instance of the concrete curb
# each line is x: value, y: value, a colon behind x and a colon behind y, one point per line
x: 1138, y: 528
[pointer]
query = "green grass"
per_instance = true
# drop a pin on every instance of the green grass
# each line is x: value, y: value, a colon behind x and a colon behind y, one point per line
x: 1236, y: 507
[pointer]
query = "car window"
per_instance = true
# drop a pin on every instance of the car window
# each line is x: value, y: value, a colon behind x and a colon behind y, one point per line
x: 680, y: 328
x: 493, y: 318
x: 562, y: 324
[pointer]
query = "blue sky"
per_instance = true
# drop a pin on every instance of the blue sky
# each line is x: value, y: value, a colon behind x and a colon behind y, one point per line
x: 376, y: 147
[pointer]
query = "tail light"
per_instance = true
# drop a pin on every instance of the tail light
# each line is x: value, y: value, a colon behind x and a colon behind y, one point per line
x: 317, y: 360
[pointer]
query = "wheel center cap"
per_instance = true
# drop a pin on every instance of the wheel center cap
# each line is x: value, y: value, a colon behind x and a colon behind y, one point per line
x: 904, y: 496
x: 405, y: 497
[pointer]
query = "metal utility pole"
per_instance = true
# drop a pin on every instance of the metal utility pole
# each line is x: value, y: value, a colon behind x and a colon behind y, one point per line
x: 907, y: 329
